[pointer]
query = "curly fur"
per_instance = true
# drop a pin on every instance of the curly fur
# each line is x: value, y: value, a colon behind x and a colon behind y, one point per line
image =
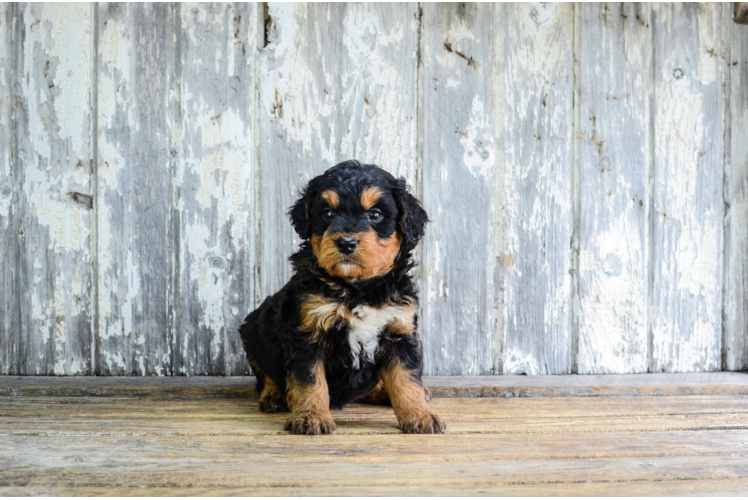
x: 345, y: 324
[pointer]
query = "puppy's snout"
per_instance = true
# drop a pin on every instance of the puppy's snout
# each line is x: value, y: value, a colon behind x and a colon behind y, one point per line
x: 346, y: 244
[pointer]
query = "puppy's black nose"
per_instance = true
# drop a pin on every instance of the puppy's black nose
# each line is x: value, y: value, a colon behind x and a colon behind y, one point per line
x: 346, y: 244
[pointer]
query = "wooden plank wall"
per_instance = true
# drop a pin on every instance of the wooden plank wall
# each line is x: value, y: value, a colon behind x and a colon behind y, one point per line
x: 458, y: 188
x: 585, y: 167
x: 9, y: 309
x: 736, y: 199
x: 537, y: 73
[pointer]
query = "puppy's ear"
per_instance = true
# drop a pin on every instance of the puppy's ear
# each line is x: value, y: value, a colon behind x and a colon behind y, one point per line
x: 413, y: 218
x: 299, y: 212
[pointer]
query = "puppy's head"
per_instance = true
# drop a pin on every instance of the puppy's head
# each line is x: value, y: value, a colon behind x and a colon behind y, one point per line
x: 359, y: 220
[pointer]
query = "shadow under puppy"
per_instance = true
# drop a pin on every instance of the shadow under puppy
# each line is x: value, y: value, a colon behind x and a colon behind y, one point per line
x: 344, y: 327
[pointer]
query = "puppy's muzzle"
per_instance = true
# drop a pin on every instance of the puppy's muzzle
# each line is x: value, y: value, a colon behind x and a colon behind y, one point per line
x: 346, y: 244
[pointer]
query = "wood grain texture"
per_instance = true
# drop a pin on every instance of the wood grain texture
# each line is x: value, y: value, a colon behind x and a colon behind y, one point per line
x: 513, y: 386
x: 584, y: 167
x: 688, y: 177
x: 615, y: 159
x: 458, y: 50
x: 52, y: 106
x: 9, y: 310
x: 138, y: 147
x: 535, y: 286
x: 666, y: 487
x: 215, y: 180
x: 555, y: 446
x: 338, y: 83
x: 735, y: 348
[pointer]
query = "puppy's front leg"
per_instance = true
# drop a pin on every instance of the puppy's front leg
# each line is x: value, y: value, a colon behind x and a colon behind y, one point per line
x: 401, y: 374
x: 309, y: 401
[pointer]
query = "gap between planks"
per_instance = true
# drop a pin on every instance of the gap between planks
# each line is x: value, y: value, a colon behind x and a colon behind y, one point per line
x: 662, y: 384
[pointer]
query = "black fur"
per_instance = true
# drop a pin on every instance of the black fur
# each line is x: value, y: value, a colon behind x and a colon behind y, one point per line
x: 271, y: 334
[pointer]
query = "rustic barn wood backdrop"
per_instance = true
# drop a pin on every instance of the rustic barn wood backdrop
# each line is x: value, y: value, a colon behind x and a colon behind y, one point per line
x: 585, y: 167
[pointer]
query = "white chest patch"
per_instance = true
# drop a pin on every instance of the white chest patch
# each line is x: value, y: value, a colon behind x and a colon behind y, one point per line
x: 365, y: 325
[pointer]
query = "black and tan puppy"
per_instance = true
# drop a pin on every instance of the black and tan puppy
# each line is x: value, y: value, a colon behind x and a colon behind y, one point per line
x: 344, y: 327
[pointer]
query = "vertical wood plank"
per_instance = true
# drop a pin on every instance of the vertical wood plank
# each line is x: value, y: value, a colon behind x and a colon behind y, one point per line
x: 215, y: 181
x: 53, y: 110
x: 536, y: 257
x: 9, y: 341
x: 615, y: 155
x: 736, y: 205
x: 137, y: 151
x: 688, y: 199
x: 458, y: 188
x: 338, y: 82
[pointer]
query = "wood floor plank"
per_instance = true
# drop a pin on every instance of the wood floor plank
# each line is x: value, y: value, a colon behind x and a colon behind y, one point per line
x: 184, y: 472
x: 718, y: 487
x: 95, y: 449
x: 133, y: 446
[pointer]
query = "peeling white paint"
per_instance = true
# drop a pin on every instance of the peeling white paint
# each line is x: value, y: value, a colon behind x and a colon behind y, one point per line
x: 736, y: 217
x: 327, y: 95
x: 459, y: 170
x: 53, y: 116
x: 613, y: 141
x: 536, y: 215
x: 476, y: 140
x: 688, y: 232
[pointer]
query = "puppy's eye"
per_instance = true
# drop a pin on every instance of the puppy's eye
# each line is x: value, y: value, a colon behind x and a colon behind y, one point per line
x: 328, y: 214
x: 375, y: 215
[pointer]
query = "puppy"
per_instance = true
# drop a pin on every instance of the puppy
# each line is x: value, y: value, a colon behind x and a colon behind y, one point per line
x: 344, y: 327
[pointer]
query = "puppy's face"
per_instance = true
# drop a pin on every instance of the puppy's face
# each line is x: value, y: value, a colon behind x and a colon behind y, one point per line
x: 357, y: 218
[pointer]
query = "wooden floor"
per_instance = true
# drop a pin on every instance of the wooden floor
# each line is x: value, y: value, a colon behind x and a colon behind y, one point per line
x: 202, y: 442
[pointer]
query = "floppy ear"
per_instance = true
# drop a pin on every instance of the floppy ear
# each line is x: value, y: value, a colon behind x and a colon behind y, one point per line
x: 413, y: 218
x: 299, y: 212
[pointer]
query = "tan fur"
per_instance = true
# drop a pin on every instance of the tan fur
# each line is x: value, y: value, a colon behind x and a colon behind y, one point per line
x: 369, y: 197
x: 271, y: 398
x: 377, y: 396
x: 310, y: 404
x: 270, y: 390
x: 332, y: 199
x: 404, y: 325
x: 409, y: 402
x: 373, y: 257
x: 319, y: 314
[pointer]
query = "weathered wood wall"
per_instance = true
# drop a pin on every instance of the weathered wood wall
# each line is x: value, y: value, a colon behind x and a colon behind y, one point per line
x: 585, y: 167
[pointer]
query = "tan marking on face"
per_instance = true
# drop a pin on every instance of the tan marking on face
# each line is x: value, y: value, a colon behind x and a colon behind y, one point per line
x: 331, y: 197
x: 310, y: 404
x: 408, y: 399
x: 373, y: 256
x: 369, y: 197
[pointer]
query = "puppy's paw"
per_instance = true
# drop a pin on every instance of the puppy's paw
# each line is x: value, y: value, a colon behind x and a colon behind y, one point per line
x: 273, y: 403
x: 311, y: 423
x: 419, y: 421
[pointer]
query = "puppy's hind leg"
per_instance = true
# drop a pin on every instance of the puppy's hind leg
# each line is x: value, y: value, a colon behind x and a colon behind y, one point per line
x: 377, y: 396
x: 272, y: 399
